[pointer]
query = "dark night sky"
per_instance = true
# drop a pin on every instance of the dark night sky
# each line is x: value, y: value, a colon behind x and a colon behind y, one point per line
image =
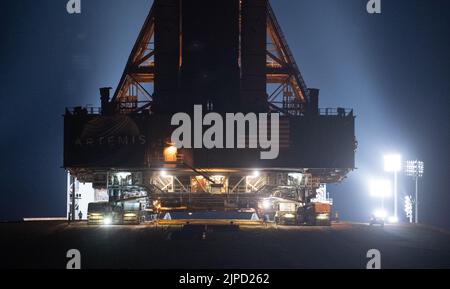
x: 393, y: 69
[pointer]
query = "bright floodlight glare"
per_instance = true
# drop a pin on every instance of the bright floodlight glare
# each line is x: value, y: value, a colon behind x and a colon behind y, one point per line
x: 393, y: 220
x: 381, y: 214
x: 107, y: 221
x: 256, y: 174
x: 163, y: 174
x: 267, y: 204
x: 380, y: 188
x: 393, y: 163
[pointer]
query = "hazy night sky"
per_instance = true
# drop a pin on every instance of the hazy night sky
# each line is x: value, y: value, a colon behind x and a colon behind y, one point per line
x: 392, y: 69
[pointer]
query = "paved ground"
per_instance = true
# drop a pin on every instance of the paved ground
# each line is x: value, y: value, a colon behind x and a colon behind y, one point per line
x: 44, y: 245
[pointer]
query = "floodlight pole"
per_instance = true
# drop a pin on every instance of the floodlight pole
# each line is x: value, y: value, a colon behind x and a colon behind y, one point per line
x: 395, y: 196
x: 417, y: 200
x: 415, y: 169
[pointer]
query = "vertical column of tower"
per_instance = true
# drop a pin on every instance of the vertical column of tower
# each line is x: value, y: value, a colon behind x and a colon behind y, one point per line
x: 167, y: 55
x: 227, y: 47
x: 210, y: 49
x: 253, y: 55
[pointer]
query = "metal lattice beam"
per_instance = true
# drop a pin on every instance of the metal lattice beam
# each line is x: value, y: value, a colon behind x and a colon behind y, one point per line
x: 140, y: 68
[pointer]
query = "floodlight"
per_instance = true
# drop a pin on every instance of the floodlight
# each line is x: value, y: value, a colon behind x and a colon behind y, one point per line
x: 393, y: 163
x: 380, y: 188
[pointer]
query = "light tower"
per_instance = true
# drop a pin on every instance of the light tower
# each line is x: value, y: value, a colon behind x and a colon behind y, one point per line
x: 415, y: 169
x: 393, y: 164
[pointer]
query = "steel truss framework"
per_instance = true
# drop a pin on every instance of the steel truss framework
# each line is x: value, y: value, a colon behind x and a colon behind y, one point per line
x: 281, y: 70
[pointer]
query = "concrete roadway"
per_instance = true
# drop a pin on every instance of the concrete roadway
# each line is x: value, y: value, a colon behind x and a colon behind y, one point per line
x: 345, y: 245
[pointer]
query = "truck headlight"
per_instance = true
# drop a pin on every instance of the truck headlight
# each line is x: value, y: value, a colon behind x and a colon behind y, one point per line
x: 322, y: 217
x: 107, y: 220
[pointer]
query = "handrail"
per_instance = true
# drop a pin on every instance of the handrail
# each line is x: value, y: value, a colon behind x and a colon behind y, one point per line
x: 92, y: 110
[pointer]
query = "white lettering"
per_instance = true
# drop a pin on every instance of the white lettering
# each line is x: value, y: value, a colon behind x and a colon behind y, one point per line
x: 374, y: 7
x: 214, y: 135
x: 73, y: 7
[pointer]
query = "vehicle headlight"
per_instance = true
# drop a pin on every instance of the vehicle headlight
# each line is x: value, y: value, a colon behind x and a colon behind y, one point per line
x: 289, y: 216
x: 322, y: 217
x: 107, y: 220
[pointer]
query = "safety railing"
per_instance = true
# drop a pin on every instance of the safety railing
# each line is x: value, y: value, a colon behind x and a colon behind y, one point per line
x: 335, y: 111
x: 88, y: 110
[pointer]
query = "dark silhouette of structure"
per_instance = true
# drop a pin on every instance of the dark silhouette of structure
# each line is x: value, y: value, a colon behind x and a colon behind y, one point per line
x: 228, y: 56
